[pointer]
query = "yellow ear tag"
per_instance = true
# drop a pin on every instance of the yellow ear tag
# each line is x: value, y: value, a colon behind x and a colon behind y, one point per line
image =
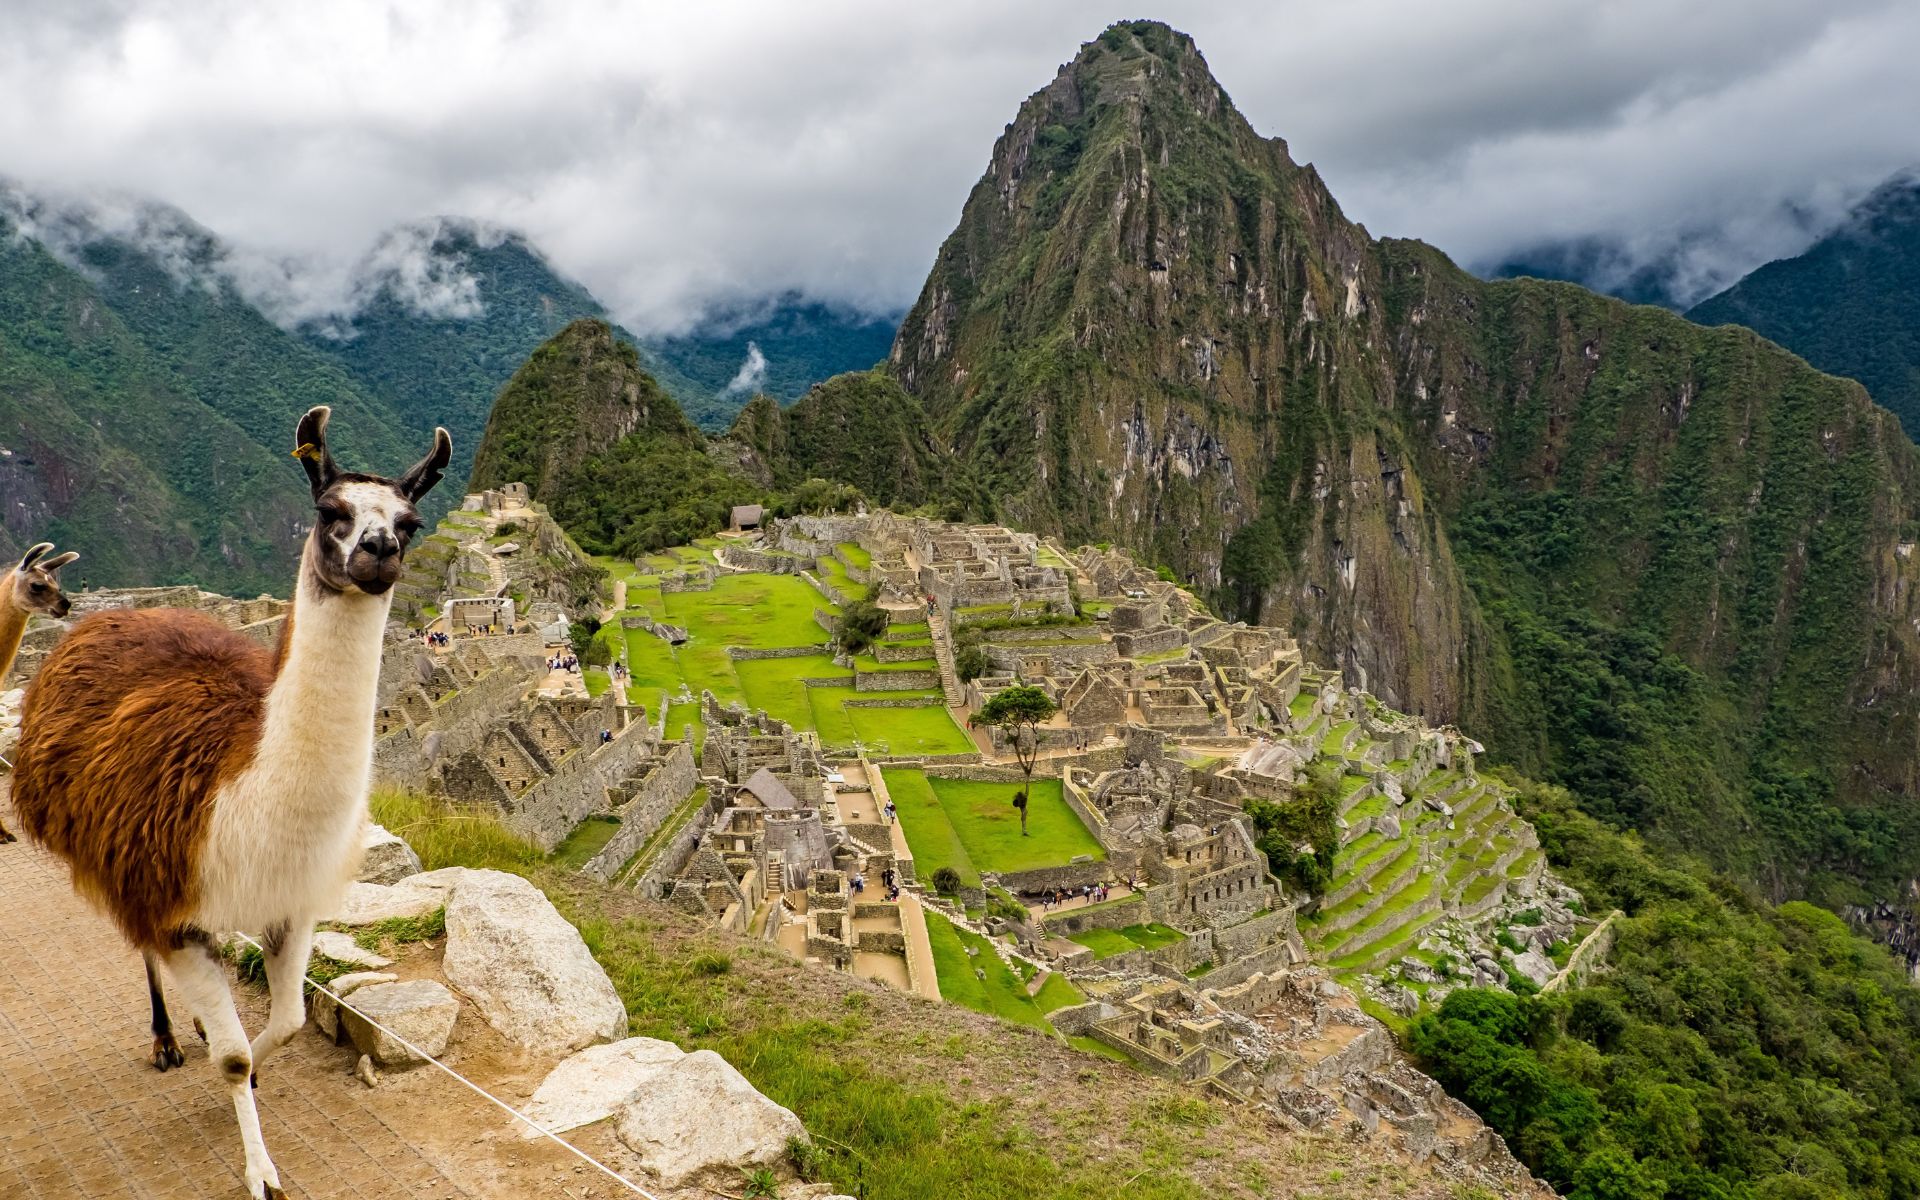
x: 308, y: 450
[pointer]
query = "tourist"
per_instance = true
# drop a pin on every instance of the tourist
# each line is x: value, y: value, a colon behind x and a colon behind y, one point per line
x: 606, y: 735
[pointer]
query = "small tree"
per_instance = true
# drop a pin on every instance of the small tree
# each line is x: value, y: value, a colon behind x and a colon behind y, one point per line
x: 580, y: 635
x: 1019, y: 711
x: 861, y: 625
x: 946, y: 881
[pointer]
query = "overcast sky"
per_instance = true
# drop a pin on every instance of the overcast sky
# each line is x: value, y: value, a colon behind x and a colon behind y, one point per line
x: 678, y: 156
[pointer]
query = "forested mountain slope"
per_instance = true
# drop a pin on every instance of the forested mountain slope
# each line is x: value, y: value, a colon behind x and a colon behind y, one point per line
x: 1851, y: 303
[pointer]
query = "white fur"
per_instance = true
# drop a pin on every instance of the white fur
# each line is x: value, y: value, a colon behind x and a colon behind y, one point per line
x: 375, y: 507
x: 284, y: 834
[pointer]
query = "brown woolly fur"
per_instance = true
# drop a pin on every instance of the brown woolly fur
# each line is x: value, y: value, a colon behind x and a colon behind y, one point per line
x: 141, y: 712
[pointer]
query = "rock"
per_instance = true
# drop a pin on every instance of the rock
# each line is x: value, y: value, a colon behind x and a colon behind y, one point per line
x: 385, y: 858
x: 364, y: 1072
x: 1415, y: 971
x: 366, y: 903
x: 1388, y: 826
x: 419, y: 1010
x: 1535, y: 966
x: 700, y: 1113
x: 593, y: 1084
x: 526, y: 968
x: 325, y: 1010
x: 341, y: 948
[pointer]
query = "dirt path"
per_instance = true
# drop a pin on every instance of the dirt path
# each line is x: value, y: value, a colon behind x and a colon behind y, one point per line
x: 83, y: 1114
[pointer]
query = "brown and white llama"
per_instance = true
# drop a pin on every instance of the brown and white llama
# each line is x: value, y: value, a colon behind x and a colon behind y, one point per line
x: 32, y: 586
x: 197, y: 782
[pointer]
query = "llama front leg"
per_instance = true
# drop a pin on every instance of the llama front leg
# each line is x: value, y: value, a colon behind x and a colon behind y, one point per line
x: 286, y: 948
x: 202, y: 979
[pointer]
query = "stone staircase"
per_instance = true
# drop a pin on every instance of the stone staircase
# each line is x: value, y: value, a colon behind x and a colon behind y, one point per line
x: 943, y: 656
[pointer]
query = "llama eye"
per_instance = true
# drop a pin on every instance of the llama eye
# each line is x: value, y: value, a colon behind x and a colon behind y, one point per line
x: 331, y: 515
x: 407, y: 526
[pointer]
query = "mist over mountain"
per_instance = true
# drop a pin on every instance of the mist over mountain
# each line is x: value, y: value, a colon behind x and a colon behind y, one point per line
x: 1851, y: 303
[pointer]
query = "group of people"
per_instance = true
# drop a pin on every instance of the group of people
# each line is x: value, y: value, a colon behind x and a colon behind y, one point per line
x: 569, y: 663
x: 436, y: 638
x: 1092, y: 893
x: 889, y: 878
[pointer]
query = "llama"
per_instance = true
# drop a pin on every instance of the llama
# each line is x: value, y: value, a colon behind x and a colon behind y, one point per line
x: 33, y: 586
x: 197, y: 782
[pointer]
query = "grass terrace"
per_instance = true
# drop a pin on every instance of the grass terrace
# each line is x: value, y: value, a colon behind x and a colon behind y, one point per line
x: 1002, y: 993
x: 973, y: 827
x: 853, y: 555
x: 1105, y: 943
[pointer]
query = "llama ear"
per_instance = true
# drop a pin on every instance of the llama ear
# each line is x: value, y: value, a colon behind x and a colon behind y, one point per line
x: 33, y: 554
x: 421, y: 477
x: 310, y: 447
x: 59, y: 560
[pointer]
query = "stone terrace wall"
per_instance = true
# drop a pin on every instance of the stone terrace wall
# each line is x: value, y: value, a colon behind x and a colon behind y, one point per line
x: 663, y: 789
x: 548, y: 811
x: 668, y: 860
x: 895, y: 681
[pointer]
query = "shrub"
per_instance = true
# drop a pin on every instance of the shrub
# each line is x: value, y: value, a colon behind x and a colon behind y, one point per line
x: 946, y: 881
x: 861, y: 624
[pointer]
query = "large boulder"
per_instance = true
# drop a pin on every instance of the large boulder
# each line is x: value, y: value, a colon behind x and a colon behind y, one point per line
x: 594, y: 1083
x: 419, y: 1010
x: 1535, y: 966
x: 699, y: 1114
x: 341, y: 948
x: 526, y: 968
x: 385, y: 858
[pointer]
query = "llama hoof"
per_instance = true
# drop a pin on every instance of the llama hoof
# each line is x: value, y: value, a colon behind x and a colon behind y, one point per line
x: 200, y: 1030
x: 270, y: 1192
x: 166, y: 1053
x: 6, y: 837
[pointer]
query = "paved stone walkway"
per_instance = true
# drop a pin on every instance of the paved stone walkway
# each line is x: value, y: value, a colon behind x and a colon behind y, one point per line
x: 83, y: 1114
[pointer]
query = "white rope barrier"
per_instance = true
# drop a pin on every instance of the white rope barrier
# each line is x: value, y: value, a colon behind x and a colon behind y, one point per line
x: 516, y: 1114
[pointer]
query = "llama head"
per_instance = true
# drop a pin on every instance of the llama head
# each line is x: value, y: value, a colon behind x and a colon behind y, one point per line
x: 360, y: 540
x: 34, y: 583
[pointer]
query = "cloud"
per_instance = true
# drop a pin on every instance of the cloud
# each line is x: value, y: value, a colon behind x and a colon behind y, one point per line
x: 685, y: 159
x: 752, y: 372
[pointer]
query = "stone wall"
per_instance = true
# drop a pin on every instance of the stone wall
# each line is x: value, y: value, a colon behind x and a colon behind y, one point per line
x: 670, y: 858
x: 1155, y: 641
x: 752, y: 558
x: 652, y: 798
x: 895, y: 681
x: 577, y: 788
x: 460, y: 720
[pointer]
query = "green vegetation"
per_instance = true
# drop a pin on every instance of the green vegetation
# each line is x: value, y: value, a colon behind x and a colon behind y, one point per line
x: 557, y: 426
x: 972, y: 827
x: 587, y: 839
x: 1732, y: 1049
x: 859, y: 428
x: 451, y: 835
x: 1280, y: 829
x: 1001, y: 993
x: 1019, y: 711
x: 1105, y: 943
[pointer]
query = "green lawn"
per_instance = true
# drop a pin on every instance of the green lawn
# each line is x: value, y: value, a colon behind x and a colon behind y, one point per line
x: 974, y: 826
x: 588, y: 838
x: 854, y: 556
x: 926, y: 730
x: 1105, y: 943
x: 774, y: 684
x: 1001, y: 993
x: 761, y: 611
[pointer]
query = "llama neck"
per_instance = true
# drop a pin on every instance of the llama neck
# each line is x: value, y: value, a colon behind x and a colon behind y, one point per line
x: 13, y: 626
x: 319, y: 712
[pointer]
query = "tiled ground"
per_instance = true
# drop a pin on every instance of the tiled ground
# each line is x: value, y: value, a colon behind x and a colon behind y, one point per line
x: 83, y: 1114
